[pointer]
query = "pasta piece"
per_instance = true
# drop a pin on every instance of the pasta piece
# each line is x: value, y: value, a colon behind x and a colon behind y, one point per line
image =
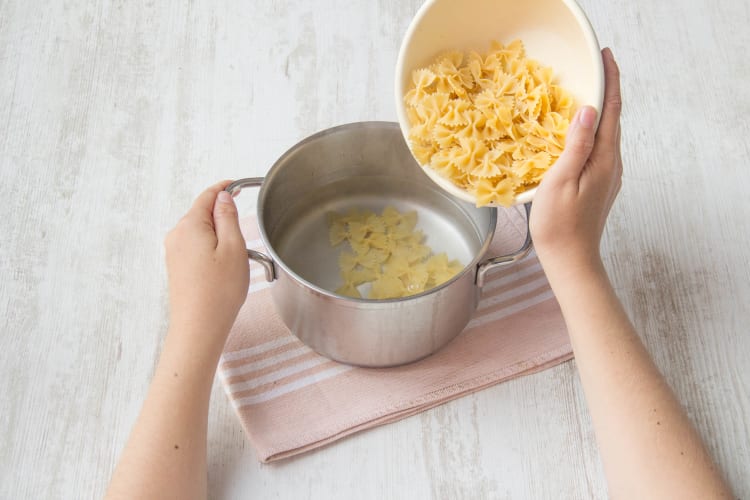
x: 391, y: 216
x: 444, y: 164
x: 409, y: 220
x: 361, y: 276
x: 422, y: 78
x: 373, y: 258
x: 475, y: 128
x: 349, y: 290
x: 498, y: 191
x: 435, y: 104
x: 387, y: 287
x: 337, y: 232
x: 413, y: 253
x: 445, y: 137
x: 422, y: 132
x: 380, y: 241
x: 455, y: 113
x: 347, y: 261
x: 489, y: 165
x: 440, y: 269
x: 358, y: 230
x: 397, y: 265
x: 415, y: 279
x: 423, y: 152
x: 471, y: 152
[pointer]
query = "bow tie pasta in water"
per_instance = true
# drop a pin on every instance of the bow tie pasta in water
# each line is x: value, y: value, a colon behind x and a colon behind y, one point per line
x: 388, y: 255
x: 491, y: 124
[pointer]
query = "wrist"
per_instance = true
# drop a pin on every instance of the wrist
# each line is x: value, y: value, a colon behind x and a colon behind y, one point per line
x: 198, y: 337
x: 186, y: 364
x: 584, y: 268
x: 584, y: 292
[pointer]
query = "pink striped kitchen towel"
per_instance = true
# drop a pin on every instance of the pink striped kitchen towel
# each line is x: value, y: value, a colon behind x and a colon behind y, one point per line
x: 292, y: 400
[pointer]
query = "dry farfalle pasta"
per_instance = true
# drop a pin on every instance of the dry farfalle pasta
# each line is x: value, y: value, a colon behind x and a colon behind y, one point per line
x: 492, y: 124
x: 387, y: 253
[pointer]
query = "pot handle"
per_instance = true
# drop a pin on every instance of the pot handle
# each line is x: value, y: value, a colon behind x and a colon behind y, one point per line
x: 261, y: 258
x: 493, y: 263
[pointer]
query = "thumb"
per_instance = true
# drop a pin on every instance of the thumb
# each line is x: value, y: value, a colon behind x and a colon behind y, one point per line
x: 578, y: 146
x: 226, y: 221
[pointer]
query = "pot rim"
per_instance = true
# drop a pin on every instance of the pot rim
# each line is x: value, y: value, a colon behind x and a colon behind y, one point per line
x: 277, y: 167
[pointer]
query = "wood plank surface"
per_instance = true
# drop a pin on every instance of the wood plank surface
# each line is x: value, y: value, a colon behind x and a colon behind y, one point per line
x: 114, y: 115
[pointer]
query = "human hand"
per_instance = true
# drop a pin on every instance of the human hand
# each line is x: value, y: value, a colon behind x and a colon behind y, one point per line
x: 573, y: 200
x: 207, y: 266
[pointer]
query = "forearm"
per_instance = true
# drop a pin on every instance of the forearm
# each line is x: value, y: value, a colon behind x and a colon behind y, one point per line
x: 648, y: 445
x: 165, y: 456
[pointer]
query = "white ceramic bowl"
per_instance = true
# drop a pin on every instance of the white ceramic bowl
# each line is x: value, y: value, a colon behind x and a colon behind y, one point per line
x: 555, y: 32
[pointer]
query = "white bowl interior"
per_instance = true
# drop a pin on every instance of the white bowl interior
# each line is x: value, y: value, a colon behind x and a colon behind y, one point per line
x: 555, y: 32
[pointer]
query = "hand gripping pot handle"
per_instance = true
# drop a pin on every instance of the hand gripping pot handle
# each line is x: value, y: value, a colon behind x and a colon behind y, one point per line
x: 261, y: 258
x: 496, y: 262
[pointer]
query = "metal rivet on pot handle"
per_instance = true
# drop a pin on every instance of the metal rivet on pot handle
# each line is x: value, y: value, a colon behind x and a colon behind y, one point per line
x: 496, y: 262
x: 262, y: 259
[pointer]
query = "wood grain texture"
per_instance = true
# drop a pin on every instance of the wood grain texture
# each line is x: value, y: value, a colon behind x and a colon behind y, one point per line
x: 114, y: 115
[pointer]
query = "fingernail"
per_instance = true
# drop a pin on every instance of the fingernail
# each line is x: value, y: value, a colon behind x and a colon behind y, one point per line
x: 224, y: 197
x: 587, y: 117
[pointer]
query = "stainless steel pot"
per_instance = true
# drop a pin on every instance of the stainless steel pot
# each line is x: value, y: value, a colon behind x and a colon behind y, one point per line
x: 365, y: 165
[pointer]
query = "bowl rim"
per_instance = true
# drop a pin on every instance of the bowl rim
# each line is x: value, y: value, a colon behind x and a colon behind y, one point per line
x: 592, y: 42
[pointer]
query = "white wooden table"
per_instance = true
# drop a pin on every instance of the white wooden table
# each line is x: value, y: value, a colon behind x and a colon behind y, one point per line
x: 114, y: 115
